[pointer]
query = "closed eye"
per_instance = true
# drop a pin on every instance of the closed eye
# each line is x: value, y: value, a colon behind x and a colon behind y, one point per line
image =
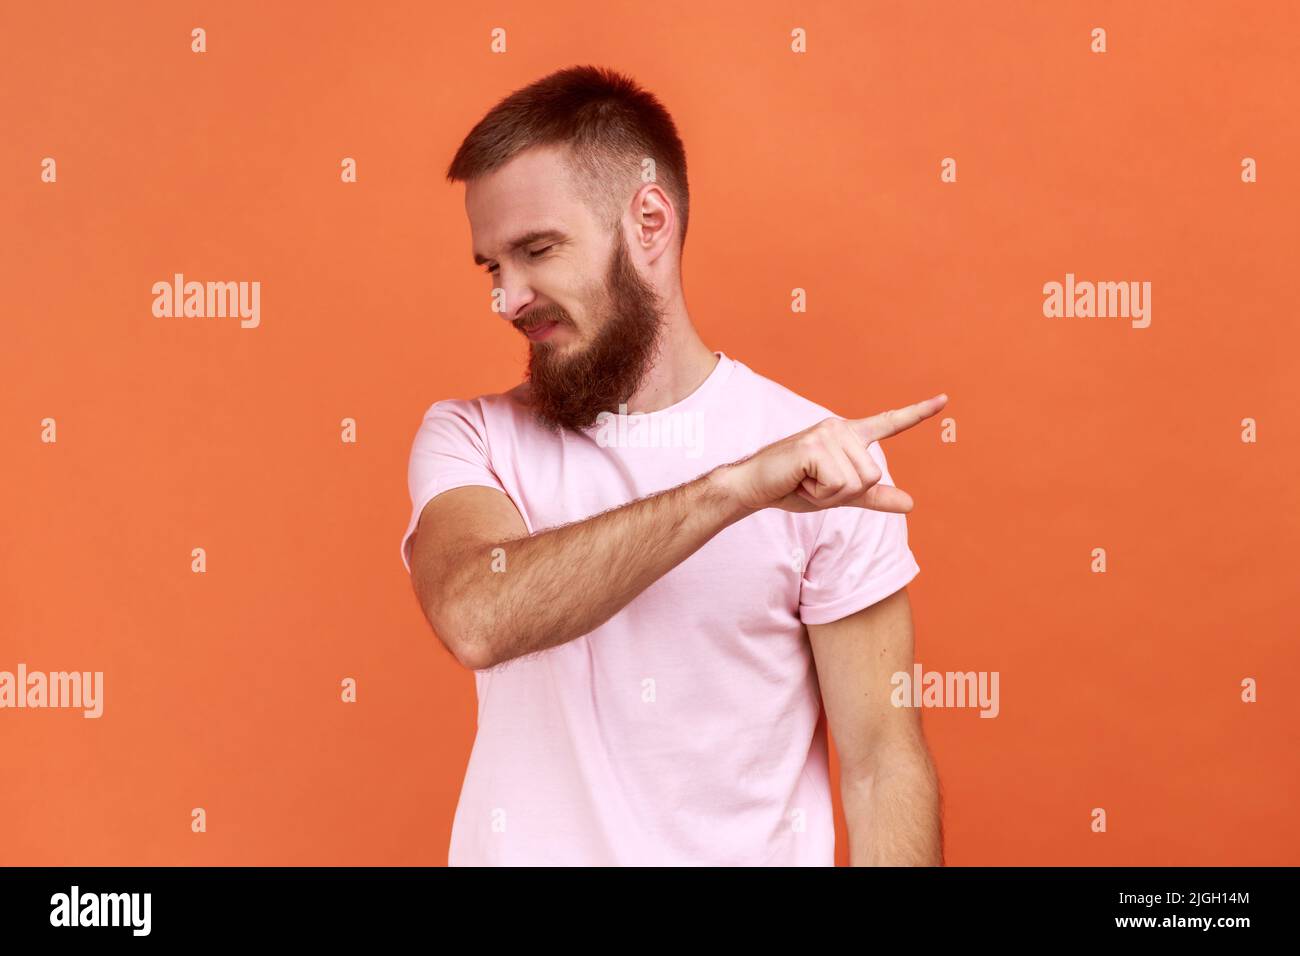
x: 532, y: 254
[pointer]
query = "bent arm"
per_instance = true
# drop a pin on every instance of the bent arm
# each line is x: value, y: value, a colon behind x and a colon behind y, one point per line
x: 495, y: 598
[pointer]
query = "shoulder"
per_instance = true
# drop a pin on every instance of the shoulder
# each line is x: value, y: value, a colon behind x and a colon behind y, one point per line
x: 783, y: 410
x: 480, y: 410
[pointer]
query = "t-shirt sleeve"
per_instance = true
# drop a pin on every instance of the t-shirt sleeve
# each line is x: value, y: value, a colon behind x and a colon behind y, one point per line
x: 450, y: 451
x: 860, y: 557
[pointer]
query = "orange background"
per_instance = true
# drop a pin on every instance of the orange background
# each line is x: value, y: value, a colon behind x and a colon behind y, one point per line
x: 819, y: 171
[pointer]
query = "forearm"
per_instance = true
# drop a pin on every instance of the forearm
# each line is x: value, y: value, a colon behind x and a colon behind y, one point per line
x: 548, y: 588
x: 893, y: 810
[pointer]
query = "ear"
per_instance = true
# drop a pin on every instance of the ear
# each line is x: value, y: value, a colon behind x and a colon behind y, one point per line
x: 653, y: 220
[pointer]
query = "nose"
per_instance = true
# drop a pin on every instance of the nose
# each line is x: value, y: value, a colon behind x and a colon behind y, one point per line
x: 514, y: 294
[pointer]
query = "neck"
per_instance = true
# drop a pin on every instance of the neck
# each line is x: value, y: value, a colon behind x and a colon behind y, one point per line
x: 682, y: 362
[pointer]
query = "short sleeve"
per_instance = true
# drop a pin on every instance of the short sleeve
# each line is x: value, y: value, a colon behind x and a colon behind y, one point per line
x: 860, y: 557
x: 450, y: 451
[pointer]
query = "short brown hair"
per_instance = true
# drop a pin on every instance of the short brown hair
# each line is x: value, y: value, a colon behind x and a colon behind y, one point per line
x: 609, y: 124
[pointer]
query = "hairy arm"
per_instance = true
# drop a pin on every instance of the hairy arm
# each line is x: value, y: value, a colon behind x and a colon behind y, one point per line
x: 493, y: 592
x: 498, y: 593
x: 888, y: 781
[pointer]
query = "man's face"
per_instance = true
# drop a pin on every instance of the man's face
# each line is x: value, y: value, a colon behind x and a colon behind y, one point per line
x: 573, y: 273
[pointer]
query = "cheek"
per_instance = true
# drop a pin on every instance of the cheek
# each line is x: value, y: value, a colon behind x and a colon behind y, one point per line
x: 581, y: 307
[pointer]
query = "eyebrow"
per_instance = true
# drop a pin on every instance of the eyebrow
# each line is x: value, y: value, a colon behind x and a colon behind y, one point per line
x: 527, y: 239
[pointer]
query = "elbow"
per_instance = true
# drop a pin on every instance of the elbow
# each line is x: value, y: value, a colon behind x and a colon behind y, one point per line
x: 461, y: 638
x: 472, y: 654
x: 452, y: 619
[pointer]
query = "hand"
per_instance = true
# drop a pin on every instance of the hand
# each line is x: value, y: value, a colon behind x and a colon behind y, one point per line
x: 826, y: 466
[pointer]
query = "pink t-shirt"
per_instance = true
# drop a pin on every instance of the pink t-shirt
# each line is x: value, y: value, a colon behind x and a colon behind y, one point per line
x: 685, y: 730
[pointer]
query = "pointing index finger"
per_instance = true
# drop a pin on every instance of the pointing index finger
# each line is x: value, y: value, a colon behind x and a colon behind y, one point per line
x: 896, y: 420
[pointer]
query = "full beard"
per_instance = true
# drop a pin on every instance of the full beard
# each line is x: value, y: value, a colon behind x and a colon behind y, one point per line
x: 571, y: 390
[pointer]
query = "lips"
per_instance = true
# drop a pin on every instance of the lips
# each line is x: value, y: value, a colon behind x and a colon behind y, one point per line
x: 540, y: 331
